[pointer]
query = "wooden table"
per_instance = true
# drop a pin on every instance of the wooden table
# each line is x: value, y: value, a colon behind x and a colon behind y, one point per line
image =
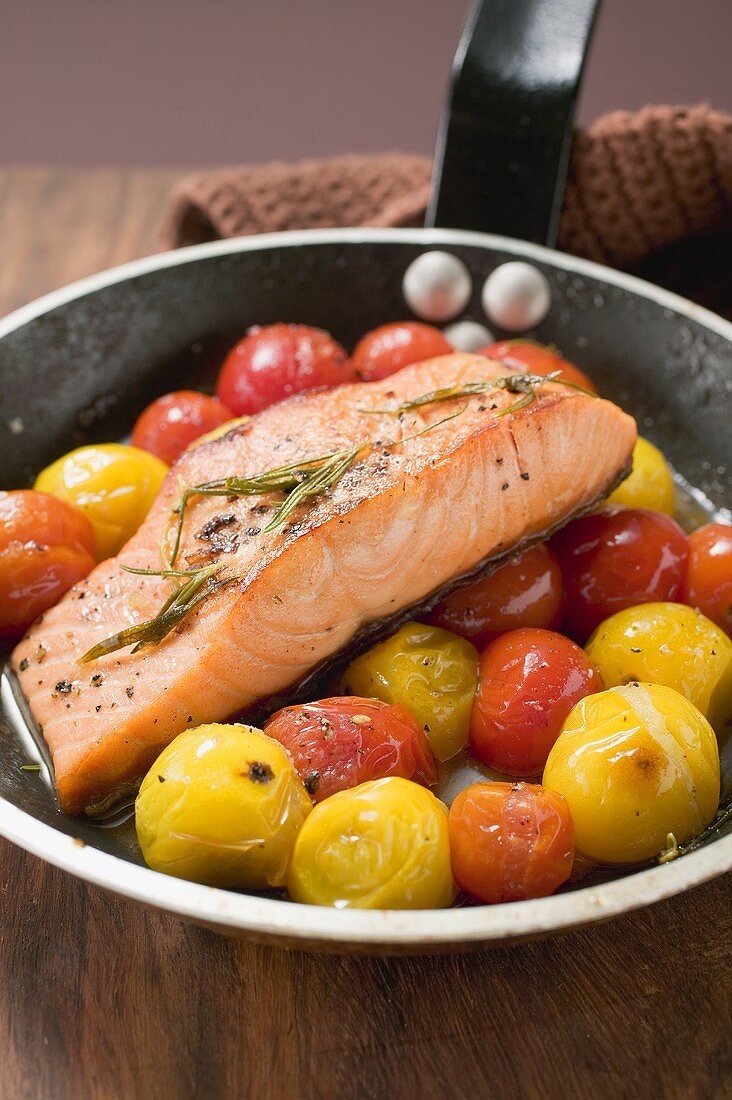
x: 99, y: 998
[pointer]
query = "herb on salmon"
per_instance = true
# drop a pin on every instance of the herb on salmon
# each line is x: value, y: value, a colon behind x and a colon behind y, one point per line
x: 523, y: 384
x: 198, y: 585
x: 299, y: 481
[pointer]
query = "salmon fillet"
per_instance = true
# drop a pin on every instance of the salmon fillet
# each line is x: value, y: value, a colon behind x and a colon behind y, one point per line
x: 402, y: 523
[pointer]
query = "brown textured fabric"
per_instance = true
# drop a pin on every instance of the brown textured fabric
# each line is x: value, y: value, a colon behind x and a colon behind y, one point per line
x: 649, y: 191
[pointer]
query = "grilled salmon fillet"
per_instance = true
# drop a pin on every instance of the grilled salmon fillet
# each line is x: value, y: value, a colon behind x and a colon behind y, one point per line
x: 402, y: 523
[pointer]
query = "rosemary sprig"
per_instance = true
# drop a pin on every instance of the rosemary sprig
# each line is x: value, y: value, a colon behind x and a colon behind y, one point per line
x: 300, y: 481
x: 673, y: 849
x: 200, y: 584
x: 314, y: 483
x: 297, y: 478
x: 523, y: 384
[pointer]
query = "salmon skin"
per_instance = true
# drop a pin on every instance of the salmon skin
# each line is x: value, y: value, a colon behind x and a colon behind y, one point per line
x: 402, y: 523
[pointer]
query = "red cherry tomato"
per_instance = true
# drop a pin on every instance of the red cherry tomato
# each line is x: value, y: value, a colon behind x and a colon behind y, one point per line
x: 170, y: 424
x: 528, y: 681
x: 526, y: 591
x: 510, y: 841
x: 46, y: 546
x: 391, y: 347
x: 341, y: 742
x: 526, y: 356
x: 616, y: 558
x: 708, y: 581
x: 276, y: 361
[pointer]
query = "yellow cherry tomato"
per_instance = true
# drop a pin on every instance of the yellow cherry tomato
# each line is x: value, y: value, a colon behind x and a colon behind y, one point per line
x: 222, y: 805
x: 635, y: 763
x: 382, y: 845
x: 650, y: 484
x: 114, y: 484
x: 668, y: 643
x: 428, y: 670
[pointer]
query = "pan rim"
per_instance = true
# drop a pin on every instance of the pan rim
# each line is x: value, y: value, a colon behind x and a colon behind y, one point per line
x: 299, y: 238
x: 290, y: 922
x: 287, y: 921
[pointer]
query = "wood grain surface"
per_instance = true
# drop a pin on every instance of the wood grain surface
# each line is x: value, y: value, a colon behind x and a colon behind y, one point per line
x: 102, y: 999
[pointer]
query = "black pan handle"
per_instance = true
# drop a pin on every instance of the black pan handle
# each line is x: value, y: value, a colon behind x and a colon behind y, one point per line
x: 503, y: 149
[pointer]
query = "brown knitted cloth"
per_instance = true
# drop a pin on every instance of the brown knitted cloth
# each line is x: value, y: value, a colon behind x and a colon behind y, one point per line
x: 650, y: 192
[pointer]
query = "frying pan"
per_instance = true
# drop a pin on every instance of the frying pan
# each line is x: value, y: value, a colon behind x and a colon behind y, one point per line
x: 80, y: 363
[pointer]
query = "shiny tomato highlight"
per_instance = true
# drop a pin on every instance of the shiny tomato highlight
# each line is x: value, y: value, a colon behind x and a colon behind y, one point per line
x: 389, y: 348
x: 526, y: 591
x: 708, y: 581
x: 617, y: 558
x: 46, y: 546
x: 530, y: 357
x: 170, y: 424
x: 276, y: 361
x: 529, y: 680
x: 510, y: 841
x: 343, y: 741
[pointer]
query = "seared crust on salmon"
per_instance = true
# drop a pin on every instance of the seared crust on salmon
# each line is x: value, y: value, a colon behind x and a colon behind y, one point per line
x: 405, y: 520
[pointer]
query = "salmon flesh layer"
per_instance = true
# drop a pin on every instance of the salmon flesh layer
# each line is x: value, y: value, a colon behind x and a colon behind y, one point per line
x: 402, y: 523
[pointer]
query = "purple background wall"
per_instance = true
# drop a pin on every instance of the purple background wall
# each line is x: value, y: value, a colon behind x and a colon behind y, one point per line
x: 216, y: 81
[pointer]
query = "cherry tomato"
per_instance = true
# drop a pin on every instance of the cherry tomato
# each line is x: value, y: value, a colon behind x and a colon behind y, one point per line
x: 650, y: 483
x: 529, y: 680
x: 276, y: 361
x: 510, y: 841
x: 170, y: 424
x: 526, y: 591
x: 382, y: 845
x: 670, y: 644
x: 431, y: 672
x: 113, y: 484
x: 389, y: 348
x: 708, y: 581
x: 635, y: 763
x: 528, y: 356
x: 341, y: 742
x: 222, y: 804
x: 46, y: 546
x: 617, y: 558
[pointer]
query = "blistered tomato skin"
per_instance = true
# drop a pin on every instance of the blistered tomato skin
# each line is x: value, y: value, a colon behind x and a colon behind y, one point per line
x: 532, y: 358
x: 389, y: 348
x: 529, y: 680
x: 170, y: 424
x: 113, y: 484
x: 526, y: 591
x: 340, y: 742
x: 510, y: 841
x: 668, y: 643
x: 46, y: 546
x: 429, y: 671
x: 381, y: 845
x: 650, y: 484
x: 617, y: 558
x: 222, y: 805
x: 635, y: 763
x: 708, y: 581
x: 276, y: 361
